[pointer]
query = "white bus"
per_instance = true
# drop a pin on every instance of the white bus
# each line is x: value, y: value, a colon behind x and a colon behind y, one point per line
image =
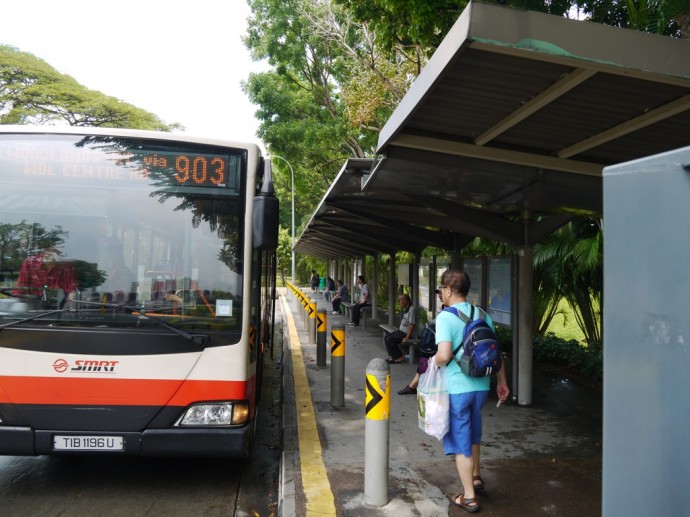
x: 137, y: 278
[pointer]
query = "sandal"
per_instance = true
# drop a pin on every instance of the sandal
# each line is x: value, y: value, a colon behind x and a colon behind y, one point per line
x: 478, y: 483
x: 407, y: 391
x: 469, y: 505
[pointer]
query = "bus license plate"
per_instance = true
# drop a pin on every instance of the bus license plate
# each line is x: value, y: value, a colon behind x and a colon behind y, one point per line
x: 87, y: 443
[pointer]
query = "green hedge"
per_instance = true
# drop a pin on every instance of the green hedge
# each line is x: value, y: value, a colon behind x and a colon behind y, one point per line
x: 586, y: 361
x: 552, y: 349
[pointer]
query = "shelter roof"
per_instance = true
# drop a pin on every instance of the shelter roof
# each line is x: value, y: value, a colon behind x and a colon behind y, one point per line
x: 515, y: 116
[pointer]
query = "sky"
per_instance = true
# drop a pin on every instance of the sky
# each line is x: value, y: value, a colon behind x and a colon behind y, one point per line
x: 182, y: 60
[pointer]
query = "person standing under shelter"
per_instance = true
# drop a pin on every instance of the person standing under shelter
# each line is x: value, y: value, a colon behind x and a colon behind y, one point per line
x: 314, y: 281
x: 467, y: 394
x: 363, y: 301
x: 406, y: 331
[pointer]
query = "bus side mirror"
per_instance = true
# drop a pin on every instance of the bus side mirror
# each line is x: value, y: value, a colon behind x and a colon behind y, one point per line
x: 265, y: 214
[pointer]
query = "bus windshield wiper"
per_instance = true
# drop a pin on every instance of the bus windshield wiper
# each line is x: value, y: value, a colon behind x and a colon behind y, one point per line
x: 35, y: 316
x: 197, y: 339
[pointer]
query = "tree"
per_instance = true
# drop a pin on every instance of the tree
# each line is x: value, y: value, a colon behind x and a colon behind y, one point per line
x: 33, y: 92
x: 667, y: 17
x: 407, y: 23
x: 18, y: 241
x: 329, y: 93
x: 570, y: 263
x: 284, y: 253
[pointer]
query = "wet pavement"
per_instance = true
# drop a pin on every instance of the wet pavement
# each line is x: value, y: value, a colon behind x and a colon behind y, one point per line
x: 542, y: 459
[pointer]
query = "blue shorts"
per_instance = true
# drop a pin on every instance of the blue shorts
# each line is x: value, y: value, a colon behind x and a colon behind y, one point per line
x: 465, y: 422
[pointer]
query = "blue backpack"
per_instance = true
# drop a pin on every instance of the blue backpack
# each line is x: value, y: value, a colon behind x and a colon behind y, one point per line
x: 481, y: 355
x: 427, y: 343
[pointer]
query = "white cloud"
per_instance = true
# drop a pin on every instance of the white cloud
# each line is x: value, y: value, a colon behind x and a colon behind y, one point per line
x: 181, y: 60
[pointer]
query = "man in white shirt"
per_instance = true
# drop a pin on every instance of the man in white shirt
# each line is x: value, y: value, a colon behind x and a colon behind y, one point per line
x: 363, y: 300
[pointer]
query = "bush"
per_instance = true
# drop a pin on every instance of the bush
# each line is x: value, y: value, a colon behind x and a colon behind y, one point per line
x: 551, y: 349
x: 581, y: 359
x: 505, y: 339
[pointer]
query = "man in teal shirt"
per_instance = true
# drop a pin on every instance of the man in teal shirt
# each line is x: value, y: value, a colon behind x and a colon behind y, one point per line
x: 467, y: 394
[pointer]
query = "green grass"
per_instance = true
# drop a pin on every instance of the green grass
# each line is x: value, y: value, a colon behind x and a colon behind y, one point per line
x: 564, y: 325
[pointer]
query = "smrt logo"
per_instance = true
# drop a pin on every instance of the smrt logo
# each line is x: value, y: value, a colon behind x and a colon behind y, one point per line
x: 94, y: 365
x: 60, y: 366
x: 85, y: 366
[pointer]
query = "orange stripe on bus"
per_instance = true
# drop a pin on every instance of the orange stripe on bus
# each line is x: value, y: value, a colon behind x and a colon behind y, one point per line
x: 116, y: 392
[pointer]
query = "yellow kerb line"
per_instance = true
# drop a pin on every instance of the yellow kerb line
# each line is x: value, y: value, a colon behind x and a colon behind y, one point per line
x: 317, y: 488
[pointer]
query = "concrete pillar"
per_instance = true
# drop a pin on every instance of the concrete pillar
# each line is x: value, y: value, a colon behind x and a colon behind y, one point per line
x: 525, y: 337
x: 414, y: 281
x: 392, y: 290
x: 433, y: 299
x: 374, y: 287
x: 456, y: 260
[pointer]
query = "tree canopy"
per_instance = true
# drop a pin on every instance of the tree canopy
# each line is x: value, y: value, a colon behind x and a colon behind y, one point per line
x: 339, y: 69
x: 331, y: 88
x: 33, y: 92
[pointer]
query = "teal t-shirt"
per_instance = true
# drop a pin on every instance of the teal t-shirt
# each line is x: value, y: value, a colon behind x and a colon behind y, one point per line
x: 450, y: 327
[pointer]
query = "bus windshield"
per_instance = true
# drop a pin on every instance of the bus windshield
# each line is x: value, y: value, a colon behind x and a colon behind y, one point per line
x: 103, y: 231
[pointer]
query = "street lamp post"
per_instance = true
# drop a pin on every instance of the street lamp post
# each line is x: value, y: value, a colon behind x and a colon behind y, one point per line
x: 292, y: 176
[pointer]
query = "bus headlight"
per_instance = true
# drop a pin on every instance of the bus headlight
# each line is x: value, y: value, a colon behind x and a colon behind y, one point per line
x: 216, y: 414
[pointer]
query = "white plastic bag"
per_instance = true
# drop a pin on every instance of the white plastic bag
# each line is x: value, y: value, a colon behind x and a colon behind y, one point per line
x: 433, y: 408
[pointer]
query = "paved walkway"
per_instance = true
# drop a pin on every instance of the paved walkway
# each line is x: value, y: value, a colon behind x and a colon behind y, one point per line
x: 544, y: 459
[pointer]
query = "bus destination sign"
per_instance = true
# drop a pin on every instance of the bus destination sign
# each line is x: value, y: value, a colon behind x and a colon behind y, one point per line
x: 163, y: 167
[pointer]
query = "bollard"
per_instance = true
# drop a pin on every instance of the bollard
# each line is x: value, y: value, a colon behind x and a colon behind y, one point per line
x: 312, y: 322
x: 338, y: 365
x: 305, y: 311
x: 377, y: 432
x: 321, y: 326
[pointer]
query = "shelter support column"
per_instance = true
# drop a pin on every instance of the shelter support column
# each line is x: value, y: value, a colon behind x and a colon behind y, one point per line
x: 432, y: 288
x: 456, y: 260
x: 392, y: 289
x: 374, y: 290
x: 525, y: 335
x: 362, y: 269
x: 415, y: 281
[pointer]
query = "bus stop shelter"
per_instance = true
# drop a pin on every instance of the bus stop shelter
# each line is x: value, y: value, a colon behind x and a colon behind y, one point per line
x: 504, y: 136
x: 516, y: 111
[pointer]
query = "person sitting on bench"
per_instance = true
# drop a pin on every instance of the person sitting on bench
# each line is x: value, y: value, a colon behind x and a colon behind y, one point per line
x: 363, y: 301
x: 405, y: 331
x: 340, y: 296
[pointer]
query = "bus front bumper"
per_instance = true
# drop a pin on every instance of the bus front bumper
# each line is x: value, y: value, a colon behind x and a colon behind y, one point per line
x: 178, y: 442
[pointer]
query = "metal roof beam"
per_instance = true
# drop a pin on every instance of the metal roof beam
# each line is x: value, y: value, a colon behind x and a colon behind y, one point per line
x: 461, y: 220
x: 629, y: 126
x: 537, y: 230
x: 386, y: 235
x: 348, y: 240
x: 498, y: 155
x: 404, y: 227
x: 330, y: 248
x: 564, y: 85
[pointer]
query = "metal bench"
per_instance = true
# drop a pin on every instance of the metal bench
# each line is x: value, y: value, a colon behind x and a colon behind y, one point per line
x: 412, y: 343
x: 348, y: 308
x: 363, y: 312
